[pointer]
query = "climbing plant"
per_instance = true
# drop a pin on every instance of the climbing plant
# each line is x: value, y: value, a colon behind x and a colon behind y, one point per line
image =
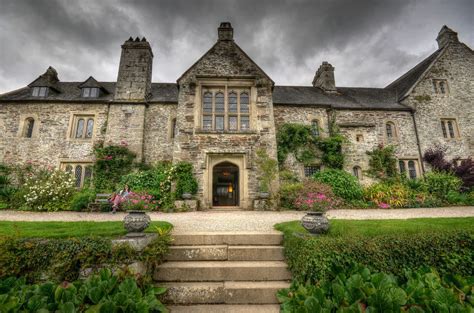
x: 382, y: 162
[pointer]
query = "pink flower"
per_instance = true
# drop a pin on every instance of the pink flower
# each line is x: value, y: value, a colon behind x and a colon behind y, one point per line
x: 321, y: 196
x: 384, y: 205
x: 134, y: 201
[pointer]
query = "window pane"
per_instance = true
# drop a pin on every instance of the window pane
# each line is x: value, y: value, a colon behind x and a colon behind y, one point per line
x: 43, y: 91
x: 442, y: 88
x: 30, y: 124
x: 315, y: 128
x: 220, y: 102
x: 35, y: 91
x: 356, y: 171
x: 88, y: 173
x: 435, y: 86
x: 219, y: 122
x: 233, y: 102
x: 244, y: 123
x: 80, y: 128
x: 389, y: 129
x: 451, y: 129
x: 94, y: 92
x: 244, y: 102
x: 173, y: 128
x: 207, y: 122
x: 411, y: 169
x: 232, y: 122
x: 86, y: 92
x: 401, y: 165
x: 90, y: 128
x: 443, y: 127
x: 78, y: 175
x: 310, y: 170
x: 207, y: 102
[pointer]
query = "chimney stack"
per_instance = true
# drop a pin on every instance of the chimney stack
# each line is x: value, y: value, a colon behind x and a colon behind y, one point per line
x: 324, y: 78
x: 134, y: 76
x: 445, y: 36
x: 225, y: 32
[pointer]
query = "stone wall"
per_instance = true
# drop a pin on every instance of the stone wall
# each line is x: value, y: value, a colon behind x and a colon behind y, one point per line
x: 456, y: 65
x: 51, y: 142
x: 158, y: 141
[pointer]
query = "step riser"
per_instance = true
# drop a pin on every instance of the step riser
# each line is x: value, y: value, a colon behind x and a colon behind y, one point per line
x: 227, y: 239
x: 222, y: 274
x: 215, y: 293
x: 224, y: 253
x: 223, y: 308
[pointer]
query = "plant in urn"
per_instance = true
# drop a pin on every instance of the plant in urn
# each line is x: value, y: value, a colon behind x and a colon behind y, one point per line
x: 136, y: 221
x: 316, y: 204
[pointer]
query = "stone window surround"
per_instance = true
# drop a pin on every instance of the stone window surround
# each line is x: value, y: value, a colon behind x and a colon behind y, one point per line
x: 357, y: 172
x: 226, y: 84
x: 22, y: 124
x: 74, y: 117
x: 395, y: 135
x: 457, y: 133
x: 437, y: 88
x: 173, y: 130
x: 63, y: 163
x: 405, y: 160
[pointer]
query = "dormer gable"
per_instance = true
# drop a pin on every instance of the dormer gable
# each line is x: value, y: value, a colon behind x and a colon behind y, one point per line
x: 91, y: 88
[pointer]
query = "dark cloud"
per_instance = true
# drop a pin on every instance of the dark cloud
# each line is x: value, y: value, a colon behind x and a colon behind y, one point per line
x: 369, y: 42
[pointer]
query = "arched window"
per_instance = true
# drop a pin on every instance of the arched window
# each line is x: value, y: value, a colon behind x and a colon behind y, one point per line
x: 90, y: 128
x: 220, y: 102
x: 78, y: 175
x: 442, y: 87
x: 79, y: 128
x: 390, y: 131
x: 411, y: 169
x: 244, y: 102
x: 401, y: 165
x: 315, y: 128
x: 207, y: 103
x: 357, y: 171
x: 29, y: 127
x: 87, y: 174
x: 174, y: 129
x: 232, y: 102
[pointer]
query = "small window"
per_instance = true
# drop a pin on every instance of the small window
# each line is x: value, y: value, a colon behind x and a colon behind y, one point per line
x: 83, y: 127
x: 440, y: 86
x: 411, y: 169
x: 40, y: 91
x: 401, y: 165
x: 390, y: 131
x: 311, y: 170
x: 92, y: 92
x: 174, y: 128
x: 315, y: 128
x: 81, y: 172
x: 359, y: 138
x: 357, y: 171
x: 29, y: 127
x: 449, y: 128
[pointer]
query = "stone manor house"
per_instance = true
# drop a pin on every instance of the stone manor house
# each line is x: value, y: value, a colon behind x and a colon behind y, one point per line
x: 225, y: 107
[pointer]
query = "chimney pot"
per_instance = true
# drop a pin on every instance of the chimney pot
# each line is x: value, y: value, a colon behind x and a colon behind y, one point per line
x: 225, y: 31
x: 445, y: 36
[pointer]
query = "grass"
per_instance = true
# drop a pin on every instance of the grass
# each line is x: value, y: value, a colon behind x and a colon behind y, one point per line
x: 372, y: 228
x: 68, y: 229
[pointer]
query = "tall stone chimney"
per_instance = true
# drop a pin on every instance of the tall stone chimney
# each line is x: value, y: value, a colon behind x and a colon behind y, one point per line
x: 324, y: 78
x: 225, y: 32
x: 445, y: 36
x: 134, y: 76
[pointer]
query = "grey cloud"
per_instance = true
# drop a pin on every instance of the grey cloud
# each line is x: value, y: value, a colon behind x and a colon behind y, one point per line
x: 370, y: 42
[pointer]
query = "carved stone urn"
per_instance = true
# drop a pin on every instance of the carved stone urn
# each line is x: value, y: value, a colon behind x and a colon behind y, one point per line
x: 135, y: 222
x: 315, y: 222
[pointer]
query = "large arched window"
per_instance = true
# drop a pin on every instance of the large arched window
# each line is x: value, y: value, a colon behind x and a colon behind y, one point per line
x: 29, y: 127
x: 390, y: 131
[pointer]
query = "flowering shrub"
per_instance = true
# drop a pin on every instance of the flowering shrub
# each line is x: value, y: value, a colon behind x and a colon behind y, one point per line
x: 315, y: 196
x: 140, y: 201
x: 386, y: 195
x: 48, y: 190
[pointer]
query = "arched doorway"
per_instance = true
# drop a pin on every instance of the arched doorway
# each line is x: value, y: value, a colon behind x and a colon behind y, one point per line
x: 225, y: 184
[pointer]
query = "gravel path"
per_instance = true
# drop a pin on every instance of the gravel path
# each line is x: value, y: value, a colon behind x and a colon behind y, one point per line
x: 220, y: 221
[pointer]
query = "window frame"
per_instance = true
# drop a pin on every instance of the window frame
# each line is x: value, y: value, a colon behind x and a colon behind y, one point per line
x: 357, y: 172
x: 406, y: 170
x: 40, y: 92
x: 85, y: 165
x: 311, y: 170
x: 394, y: 131
x: 74, y: 123
x: 447, y: 132
x: 438, y: 86
x: 89, y: 92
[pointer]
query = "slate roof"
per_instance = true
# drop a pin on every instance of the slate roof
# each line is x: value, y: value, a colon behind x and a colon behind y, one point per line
x: 407, y: 80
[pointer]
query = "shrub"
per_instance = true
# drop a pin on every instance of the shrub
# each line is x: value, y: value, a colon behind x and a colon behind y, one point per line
x: 184, y: 177
x: 387, y: 195
x: 112, y: 162
x: 440, y: 184
x: 48, y: 190
x: 312, y: 258
x: 382, y: 162
x: 343, y: 184
x: 140, y: 201
x: 80, y: 200
x: 332, y: 151
x: 297, y: 139
x: 104, y: 292
x: 357, y: 289
x: 288, y: 193
x: 309, y: 195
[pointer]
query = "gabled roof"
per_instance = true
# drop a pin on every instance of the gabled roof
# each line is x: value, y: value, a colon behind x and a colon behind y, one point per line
x: 48, y: 79
x: 408, y: 80
x: 91, y: 82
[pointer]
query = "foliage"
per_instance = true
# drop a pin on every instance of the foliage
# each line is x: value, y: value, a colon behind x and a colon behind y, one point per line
x: 185, y: 181
x: 6, y: 188
x: 140, y: 201
x: 81, y: 199
x: 343, y: 184
x: 48, y: 190
x: 332, y: 151
x: 440, y: 184
x: 388, y: 195
x: 382, y: 162
x: 104, y: 292
x: 268, y: 169
x: 357, y: 289
x: 288, y: 193
x: 311, y: 258
x: 112, y: 162
x: 316, y: 196
x: 62, y: 259
x: 464, y: 169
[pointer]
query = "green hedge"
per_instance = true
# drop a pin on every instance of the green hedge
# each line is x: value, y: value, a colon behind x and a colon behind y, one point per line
x: 313, y: 258
x: 62, y: 259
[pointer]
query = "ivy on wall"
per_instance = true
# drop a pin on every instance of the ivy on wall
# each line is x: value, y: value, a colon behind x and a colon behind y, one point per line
x: 112, y: 162
x: 382, y: 162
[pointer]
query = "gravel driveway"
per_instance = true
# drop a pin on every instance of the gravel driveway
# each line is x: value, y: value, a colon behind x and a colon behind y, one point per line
x: 221, y: 221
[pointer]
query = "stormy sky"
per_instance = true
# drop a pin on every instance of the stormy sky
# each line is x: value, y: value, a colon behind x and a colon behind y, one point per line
x: 369, y: 42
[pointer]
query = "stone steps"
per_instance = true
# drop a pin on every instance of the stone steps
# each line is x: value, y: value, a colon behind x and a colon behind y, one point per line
x: 224, y: 272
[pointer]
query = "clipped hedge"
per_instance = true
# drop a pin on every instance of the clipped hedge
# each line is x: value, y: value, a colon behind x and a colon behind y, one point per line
x: 313, y: 258
x: 63, y: 259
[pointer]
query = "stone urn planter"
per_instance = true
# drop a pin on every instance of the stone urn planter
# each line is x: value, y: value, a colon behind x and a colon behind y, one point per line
x: 135, y: 222
x: 186, y: 196
x: 315, y: 222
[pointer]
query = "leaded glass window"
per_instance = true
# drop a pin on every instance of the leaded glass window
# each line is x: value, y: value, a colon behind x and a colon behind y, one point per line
x: 90, y: 128
x: 80, y: 172
x: 207, y: 103
x: 390, y: 130
x: 80, y: 128
x: 78, y: 175
x: 449, y: 128
x: 244, y: 102
x: 315, y: 128
x: 233, y: 123
x: 83, y: 127
x: 29, y: 127
x: 220, y: 108
x: 244, y: 123
x: 233, y: 102
x: 357, y: 171
x: 309, y: 171
x: 411, y: 169
x: 219, y: 122
x: 401, y: 165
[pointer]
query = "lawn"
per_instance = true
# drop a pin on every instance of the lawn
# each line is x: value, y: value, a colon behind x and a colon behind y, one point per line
x: 68, y: 229
x: 370, y: 228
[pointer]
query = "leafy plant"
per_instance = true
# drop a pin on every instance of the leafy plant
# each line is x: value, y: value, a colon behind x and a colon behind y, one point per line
x: 440, y: 184
x: 332, y: 151
x: 268, y: 169
x: 297, y: 139
x: 382, y: 162
x: 343, y: 184
x: 140, y: 201
x: 81, y: 199
x: 395, y: 195
x: 185, y: 180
